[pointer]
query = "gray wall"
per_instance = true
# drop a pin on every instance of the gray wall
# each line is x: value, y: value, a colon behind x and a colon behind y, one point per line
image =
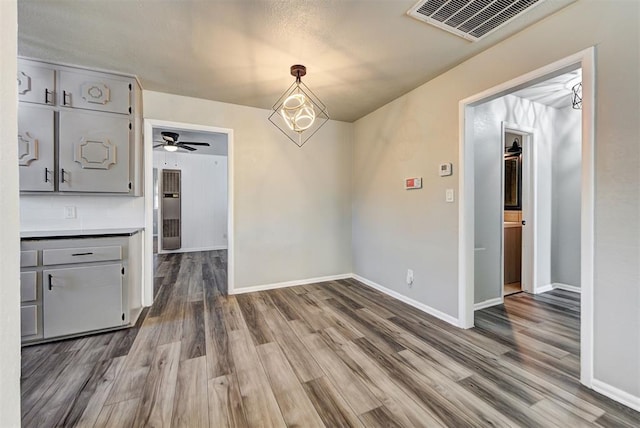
x: 567, y: 164
x: 394, y: 229
x: 292, y: 206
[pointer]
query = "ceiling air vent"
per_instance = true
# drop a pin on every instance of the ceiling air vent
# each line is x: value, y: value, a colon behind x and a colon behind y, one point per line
x: 470, y: 19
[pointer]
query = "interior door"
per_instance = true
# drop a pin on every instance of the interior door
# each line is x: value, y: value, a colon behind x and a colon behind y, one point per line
x: 93, y: 152
x: 36, y: 148
x: 81, y: 299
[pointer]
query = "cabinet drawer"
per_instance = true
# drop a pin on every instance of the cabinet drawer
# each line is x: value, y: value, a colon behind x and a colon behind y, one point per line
x: 28, y: 258
x: 82, y: 299
x: 28, y: 290
x: 29, y: 320
x: 61, y: 256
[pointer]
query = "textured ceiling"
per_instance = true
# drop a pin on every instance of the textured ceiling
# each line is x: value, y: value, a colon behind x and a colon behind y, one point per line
x: 359, y: 54
x: 555, y: 92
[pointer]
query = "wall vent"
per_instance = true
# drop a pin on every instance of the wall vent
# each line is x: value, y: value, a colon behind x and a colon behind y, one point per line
x: 470, y: 19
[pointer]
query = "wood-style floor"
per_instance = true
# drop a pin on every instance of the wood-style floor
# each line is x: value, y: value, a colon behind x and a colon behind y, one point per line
x: 333, y: 354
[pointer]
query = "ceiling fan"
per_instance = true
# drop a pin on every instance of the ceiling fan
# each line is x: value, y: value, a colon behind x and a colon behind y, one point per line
x: 171, y: 144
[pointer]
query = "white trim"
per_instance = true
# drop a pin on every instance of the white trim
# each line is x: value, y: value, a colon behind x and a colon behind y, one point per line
x: 192, y: 250
x: 567, y: 287
x: 409, y: 301
x: 543, y: 289
x: 149, y: 124
x: 586, y: 60
x: 614, y: 393
x: 488, y: 303
x: 285, y: 284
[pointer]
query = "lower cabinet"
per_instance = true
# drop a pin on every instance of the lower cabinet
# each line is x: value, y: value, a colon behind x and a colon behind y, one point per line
x: 77, y: 285
x: 78, y: 299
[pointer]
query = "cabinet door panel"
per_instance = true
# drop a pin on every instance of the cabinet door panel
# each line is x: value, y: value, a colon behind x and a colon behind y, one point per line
x: 36, y: 148
x: 82, y: 299
x: 36, y: 83
x: 93, y: 152
x: 94, y: 91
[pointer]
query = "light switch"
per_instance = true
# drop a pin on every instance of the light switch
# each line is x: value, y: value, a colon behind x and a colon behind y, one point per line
x: 449, y: 195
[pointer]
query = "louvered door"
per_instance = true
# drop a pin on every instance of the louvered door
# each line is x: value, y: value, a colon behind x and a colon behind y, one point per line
x: 171, y: 210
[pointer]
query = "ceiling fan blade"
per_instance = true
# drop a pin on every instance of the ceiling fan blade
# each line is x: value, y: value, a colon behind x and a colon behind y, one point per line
x: 182, y: 146
x: 158, y: 145
x: 194, y: 143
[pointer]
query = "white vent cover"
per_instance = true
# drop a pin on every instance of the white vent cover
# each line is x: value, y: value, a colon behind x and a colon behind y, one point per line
x: 470, y: 19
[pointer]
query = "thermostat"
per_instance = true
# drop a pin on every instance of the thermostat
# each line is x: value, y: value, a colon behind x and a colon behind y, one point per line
x: 446, y: 169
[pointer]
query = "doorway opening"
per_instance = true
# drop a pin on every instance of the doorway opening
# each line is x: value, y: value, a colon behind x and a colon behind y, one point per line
x: 482, y: 201
x: 188, y: 199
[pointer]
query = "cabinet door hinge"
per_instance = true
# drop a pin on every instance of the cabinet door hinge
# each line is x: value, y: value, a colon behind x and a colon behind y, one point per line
x: 123, y: 270
x: 130, y: 86
x: 129, y: 110
x: 130, y: 186
x: 123, y: 316
x: 130, y: 126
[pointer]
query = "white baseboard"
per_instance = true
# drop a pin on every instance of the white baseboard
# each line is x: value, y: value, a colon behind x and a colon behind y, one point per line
x: 616, y: 394
x: 285, y: 284
x: 488, y: 303
x: 567, y: 287
x: 409, y: 301
x: 543, y: 289
x: 193, y: 250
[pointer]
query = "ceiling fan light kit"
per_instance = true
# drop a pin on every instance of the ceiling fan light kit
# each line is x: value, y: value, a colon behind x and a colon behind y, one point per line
x: 299, y: 113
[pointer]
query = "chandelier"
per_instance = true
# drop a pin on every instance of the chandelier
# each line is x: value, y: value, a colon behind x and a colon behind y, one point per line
x: 299, y: 113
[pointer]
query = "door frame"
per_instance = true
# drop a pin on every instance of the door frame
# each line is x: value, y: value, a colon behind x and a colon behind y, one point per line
x: 584, y: 59
x: 149, y: 125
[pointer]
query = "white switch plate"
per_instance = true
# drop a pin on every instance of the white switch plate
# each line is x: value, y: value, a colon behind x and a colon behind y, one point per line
x: 70, y: 212
x: 449, y: 195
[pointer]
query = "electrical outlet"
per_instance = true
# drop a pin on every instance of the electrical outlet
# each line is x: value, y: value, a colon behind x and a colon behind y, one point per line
x: 409, y: 277
x: 70, y: 212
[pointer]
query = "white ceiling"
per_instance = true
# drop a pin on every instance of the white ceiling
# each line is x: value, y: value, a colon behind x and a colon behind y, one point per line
x: 554, y: 92
x: 218, y: 142
x: 359, y: 54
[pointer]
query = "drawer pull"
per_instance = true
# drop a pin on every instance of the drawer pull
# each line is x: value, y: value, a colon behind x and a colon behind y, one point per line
x: 81, y: 254
x: 65, y: 96
x: 50, y: 278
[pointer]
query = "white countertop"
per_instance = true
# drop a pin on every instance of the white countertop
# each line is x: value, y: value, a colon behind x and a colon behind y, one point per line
x: 79, y: 233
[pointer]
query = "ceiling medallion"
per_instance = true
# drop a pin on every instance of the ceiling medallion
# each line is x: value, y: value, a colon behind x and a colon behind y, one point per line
x: 299, y: 113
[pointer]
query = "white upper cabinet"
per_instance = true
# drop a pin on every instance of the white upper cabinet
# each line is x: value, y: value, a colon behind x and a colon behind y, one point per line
x: 95, y: 91
x: 86, y: 134
x: 93, y: 152
x: 36, y: 148
x: 36, y: 83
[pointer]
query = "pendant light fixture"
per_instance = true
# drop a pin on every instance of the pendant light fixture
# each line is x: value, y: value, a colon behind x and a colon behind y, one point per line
x: 299, y: 113
x: 576, y: 96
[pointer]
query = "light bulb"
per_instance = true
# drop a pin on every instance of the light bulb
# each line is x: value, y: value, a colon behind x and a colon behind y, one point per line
x: 170, y: 148
x: 298, y: 113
